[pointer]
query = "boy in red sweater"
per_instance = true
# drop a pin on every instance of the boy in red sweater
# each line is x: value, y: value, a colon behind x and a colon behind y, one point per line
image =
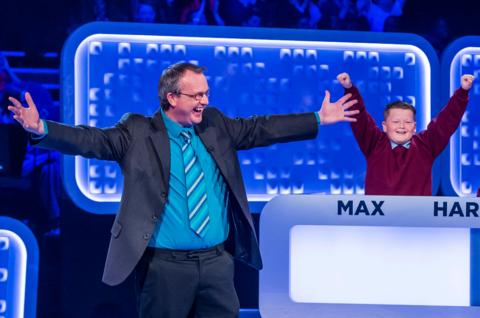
x: 399, y: 161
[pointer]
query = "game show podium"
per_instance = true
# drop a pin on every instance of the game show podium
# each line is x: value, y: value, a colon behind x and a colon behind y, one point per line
x: 369, y: 256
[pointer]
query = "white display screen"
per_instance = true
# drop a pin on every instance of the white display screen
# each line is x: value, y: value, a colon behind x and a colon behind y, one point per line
x: 380, y: 265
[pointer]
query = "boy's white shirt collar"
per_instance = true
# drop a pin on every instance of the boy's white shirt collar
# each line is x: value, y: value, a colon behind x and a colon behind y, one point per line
x: 395, y: 145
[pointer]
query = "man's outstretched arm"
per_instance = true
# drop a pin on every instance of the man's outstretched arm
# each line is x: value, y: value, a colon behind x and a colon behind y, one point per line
x: 90, y: 142
x: 260, y: 131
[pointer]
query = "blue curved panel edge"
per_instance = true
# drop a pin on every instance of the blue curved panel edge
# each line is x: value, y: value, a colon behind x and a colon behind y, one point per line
x: 462, y: 177
x: 385, y: 66
x: 463, y: 158
x: 18, y: 269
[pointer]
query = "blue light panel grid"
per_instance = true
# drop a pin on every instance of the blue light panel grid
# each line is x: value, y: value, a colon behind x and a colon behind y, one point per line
x: 257, y: 71
x: 463, y: 177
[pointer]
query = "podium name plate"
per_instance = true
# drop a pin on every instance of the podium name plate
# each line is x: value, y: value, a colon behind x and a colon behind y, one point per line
x: 368, y: 256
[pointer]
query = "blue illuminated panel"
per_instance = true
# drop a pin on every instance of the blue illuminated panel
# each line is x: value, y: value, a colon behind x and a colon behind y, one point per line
x: 18, y: 270
x: 369, y: 256
x: 463, y: 57
x: 110, y: 69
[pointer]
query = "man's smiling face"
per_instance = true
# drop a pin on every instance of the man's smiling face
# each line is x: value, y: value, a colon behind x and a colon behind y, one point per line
x: 187, y: 105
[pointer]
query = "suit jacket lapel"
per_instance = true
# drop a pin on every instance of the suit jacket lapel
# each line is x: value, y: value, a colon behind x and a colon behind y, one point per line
x: 208, y: 136
x: 162, y: 147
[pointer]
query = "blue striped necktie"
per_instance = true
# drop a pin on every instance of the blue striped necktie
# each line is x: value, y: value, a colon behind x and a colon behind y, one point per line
x: 196, y: 188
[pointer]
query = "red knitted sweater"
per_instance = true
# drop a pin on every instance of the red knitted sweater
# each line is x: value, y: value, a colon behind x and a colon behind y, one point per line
x: 402, y: 171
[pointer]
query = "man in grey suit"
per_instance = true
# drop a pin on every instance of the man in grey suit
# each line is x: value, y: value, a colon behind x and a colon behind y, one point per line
x: 184, y: 210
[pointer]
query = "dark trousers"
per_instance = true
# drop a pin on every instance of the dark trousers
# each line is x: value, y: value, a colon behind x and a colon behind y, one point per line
x: 181, y: 284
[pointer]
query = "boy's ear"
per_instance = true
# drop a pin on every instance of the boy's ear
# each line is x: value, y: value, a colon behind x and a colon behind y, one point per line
x: 384, y: 125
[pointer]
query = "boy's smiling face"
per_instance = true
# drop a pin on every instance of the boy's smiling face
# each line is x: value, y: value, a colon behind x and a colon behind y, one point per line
x: 400, y: 125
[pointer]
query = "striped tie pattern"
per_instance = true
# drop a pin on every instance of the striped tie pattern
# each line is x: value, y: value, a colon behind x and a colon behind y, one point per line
x: 196, y: 188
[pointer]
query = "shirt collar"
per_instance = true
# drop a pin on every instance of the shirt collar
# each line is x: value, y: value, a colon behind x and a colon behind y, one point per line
x: 405, y: 145
x: 174, y: 129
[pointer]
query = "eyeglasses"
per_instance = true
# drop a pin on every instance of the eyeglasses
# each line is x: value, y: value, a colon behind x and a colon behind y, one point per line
x: 198, y: 96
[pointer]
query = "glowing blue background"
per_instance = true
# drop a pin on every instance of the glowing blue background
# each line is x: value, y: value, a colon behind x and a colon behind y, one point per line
x: 116, y: 71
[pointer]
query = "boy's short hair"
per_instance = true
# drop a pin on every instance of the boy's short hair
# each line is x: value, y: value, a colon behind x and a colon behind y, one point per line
x: 400, y: 105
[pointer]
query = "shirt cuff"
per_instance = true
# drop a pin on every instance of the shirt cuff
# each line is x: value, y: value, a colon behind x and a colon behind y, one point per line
x: 317, y: 116
x: 45, y: 126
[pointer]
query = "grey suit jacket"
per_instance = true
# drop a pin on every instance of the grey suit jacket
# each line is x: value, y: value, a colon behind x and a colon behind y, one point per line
x: 141, y: 147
